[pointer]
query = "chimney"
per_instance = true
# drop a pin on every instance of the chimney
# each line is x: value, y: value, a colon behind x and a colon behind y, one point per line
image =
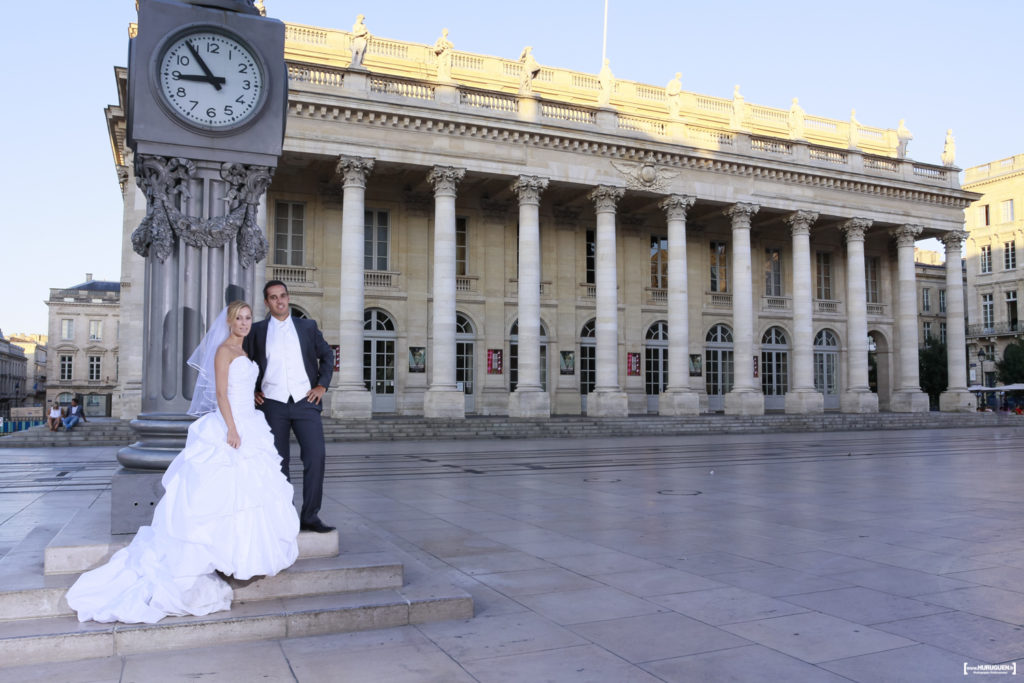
x: 88, y: 277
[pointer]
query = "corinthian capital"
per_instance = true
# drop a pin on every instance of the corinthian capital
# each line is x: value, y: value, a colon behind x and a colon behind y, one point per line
x: 741, y: 213
x: 528, y: 188
x: 445, y: 179
x: 906, y: 234
x: 675, y: 206
x: 854, y: 228
x: 354, y: 170
x: 800, y: 222
x: 606, y: 197
x: 954, y: 240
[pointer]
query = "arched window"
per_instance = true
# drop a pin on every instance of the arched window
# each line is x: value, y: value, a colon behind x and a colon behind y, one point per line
x: 465, y: 336
x: 656, y: 359
x: 826, y: 367
x: 588, y: 348
x: 718, y: 365
x: 774, y: 367
x: 379, y: 358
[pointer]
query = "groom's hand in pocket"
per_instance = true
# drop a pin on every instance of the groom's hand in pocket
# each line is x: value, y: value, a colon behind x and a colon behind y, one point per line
x: 258, y: 397
x: 316, y: 394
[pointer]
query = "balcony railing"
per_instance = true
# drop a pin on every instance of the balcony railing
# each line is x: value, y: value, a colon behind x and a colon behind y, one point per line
x: 876, y: 309
x: 826, y: 306
x: 294, y: 275
x: 657, y: 296
x: 993, y: 330
x: 718, y: 299
x: 775, y: 303
x: 380, y: 279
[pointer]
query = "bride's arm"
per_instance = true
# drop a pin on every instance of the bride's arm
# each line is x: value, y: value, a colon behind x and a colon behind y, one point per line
x: 221, y: 363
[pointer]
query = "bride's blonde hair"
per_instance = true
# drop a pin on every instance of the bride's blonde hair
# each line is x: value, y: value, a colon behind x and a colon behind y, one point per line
x: 233, y: 308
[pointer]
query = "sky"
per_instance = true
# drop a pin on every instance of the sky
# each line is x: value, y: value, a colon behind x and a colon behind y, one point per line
x: 936, y: 63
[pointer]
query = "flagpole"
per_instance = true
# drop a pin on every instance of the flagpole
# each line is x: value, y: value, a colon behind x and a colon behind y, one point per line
x: 604, y: 39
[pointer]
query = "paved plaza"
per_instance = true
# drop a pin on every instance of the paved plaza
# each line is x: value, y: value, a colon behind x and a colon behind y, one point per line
x: 852, y: 556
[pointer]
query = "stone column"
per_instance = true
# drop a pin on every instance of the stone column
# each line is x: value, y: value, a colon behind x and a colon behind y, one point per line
x: 908, y: 397
x: 443, y: 398
x: 802, y: 398
x: 350, y: 399
x: 529, y: 399
x: 678, y: 398
x: 857, y: 397
x: 746, y: 397
x: 607, y: 399
x: 956, y: 398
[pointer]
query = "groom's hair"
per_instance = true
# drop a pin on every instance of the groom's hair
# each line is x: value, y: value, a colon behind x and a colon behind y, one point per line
x: 273, y: 283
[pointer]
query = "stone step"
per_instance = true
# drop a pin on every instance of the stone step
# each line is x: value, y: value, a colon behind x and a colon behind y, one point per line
x: 61, y: 639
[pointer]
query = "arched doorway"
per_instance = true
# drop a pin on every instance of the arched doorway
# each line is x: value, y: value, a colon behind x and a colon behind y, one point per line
x: 379, y: 359
x: 513, y: 357
x: 465, y: 338
x: 655, y: 363
x: 718, y: 366
x: 826, y: 367
x: 879, y: 368
x: 588, y: 347
x: 774, y: 368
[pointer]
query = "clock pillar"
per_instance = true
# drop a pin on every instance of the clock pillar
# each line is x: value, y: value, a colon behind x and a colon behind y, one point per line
x: 205, y: 180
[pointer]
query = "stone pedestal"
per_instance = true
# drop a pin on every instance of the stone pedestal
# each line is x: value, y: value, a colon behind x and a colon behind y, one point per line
x: 529, y: 404
x: 744, y: 403
x: 955, y: 401
x: 444, y: 403
x: 909, y: 401
x: 607, y: 404
x: 802, y: 402
x: 858, y: 402
x: 351, y: 404
x: 675, y: 402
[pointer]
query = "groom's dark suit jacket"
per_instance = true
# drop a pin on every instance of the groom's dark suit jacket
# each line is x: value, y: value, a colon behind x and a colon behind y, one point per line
x: 317, y: 355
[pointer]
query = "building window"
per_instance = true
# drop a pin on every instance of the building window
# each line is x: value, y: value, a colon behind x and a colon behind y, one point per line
x: 94, y: 368
x: 67, y: 329
x: 824, y: 275
x: 927, y: 331
x: 65, y: 367
x: 942, y: 301
x: 983, y: 215
x: 987, y: 311
x: 95, y: 330
x: 719, y: 267
x: 1011, y: 309
x: 591, y: 247
x: 659, y: 262
x: 926, y: 299
x: 1010, y: 255
x: 461, y: 247
x: 942, y: 333
x: 289, y: 233
x: 871, y: 275
x: 986, y: 259
x: 377, y: 239
x: 772, y: 272
x: 1007, y: 210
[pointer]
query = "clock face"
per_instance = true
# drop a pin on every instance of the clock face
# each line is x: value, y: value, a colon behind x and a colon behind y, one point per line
x: 210, y: 79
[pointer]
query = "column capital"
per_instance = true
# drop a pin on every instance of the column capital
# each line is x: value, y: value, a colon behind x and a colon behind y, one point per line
x: 800, y: 222
x: 353, y: 170
x: 528, y: 188
x: 445, y: 179
x: 606, y: 197
x: 854, y: 228
x: 741, y: 213
x: 906, y: 234
x: 675, y: 206
x: 954, y: 240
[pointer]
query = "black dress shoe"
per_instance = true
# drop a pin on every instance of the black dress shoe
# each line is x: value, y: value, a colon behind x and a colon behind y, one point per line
x: 316, y: 526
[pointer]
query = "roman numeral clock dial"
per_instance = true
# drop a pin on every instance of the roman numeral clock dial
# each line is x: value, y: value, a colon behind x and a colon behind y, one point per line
x: 210, y: 80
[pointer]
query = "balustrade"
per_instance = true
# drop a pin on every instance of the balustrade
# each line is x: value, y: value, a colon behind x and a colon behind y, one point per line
x: 881, y: 164
x: 657, y: 296
x: 771, y: 146
x: 402, y: 88
x: 718, y: 300
x: 993, y: 330
x: 776, y: 303
x: 710, y: 137
x: 826, y: 306
x: 483, y: 99
x: 829, y: 156
x: 641, y: 125
x: 877, y: 310
x: 567, y: 113
x: 294, y: 275
x: 380, y: 279
x: 303, y: 73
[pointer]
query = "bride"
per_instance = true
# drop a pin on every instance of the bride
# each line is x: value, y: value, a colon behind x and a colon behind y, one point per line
x: 227, y: 508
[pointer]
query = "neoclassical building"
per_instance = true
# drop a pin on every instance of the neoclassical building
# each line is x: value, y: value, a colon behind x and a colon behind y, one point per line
x: 481, y: 235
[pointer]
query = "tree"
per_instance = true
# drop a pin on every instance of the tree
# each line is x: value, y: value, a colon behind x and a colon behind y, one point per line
x: 934, y: 371
x: 1010, y: 370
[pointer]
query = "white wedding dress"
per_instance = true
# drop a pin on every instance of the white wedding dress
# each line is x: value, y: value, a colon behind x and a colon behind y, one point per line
x: 224, y: 510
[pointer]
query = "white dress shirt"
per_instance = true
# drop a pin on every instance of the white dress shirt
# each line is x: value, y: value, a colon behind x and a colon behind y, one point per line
x: 286, y: 374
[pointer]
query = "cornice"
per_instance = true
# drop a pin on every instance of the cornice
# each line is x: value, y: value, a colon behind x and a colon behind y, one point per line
x: 575, y: 142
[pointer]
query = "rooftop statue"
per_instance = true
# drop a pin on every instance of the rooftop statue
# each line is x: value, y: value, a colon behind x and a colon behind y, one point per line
x: 530, y: 70
x: 854, y: 128
x: 360, y: 37
x: 674, y: 94
x: 796, y: 120
x: 607, y: 80
x: 949, y: 149
x: 904, y: 137
x: 443, y: 49
x: 739, y: 106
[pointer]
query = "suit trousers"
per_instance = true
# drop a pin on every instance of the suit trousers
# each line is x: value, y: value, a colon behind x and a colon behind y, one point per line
x: 304, y: 419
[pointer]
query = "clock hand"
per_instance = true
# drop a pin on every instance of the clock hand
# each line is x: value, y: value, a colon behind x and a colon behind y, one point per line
x: 215, y: 81
x: 204, y: 79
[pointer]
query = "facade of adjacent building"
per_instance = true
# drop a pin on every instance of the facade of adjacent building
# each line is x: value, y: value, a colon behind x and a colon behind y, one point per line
x: 930, y: 273
x: 480, y: 235
x: 34, y: 346
x: 995, y: 280
x: 83, y: 344
x: 13, y: 376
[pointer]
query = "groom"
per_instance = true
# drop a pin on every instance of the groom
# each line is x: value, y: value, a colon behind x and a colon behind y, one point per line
x: 296, y: 365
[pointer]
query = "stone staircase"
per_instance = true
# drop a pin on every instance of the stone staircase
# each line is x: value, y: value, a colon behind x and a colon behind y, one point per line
x: 364, y: 587
x: 110, y: 432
